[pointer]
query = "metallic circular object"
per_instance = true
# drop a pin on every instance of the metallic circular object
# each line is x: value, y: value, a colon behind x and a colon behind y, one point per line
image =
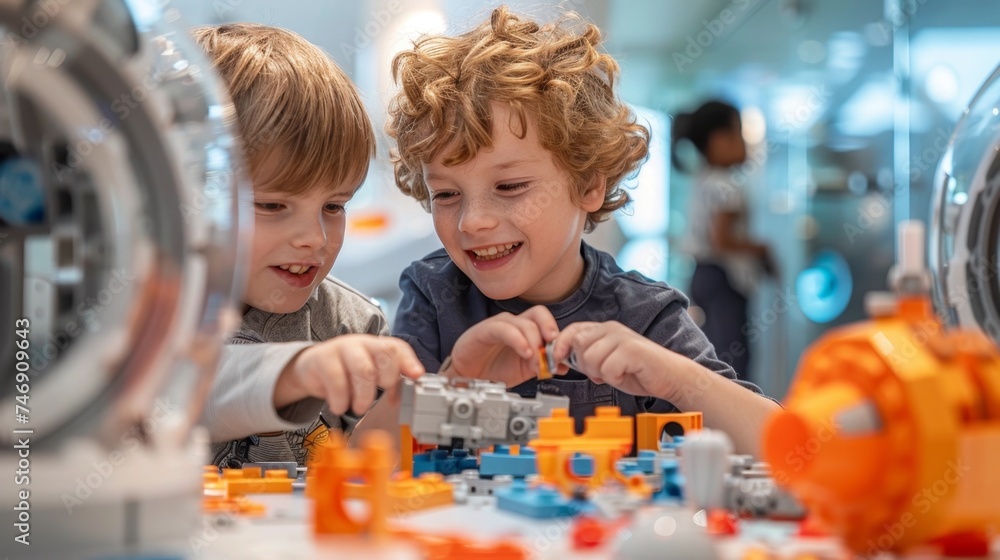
x: 965, y: 222
x: 121, y: 248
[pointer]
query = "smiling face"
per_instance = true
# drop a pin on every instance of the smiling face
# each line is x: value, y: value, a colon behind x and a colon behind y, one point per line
x: 508, y: 217
x: 296, y: 239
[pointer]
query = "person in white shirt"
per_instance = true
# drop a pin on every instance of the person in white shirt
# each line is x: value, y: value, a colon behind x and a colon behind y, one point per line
x: 729, y: 263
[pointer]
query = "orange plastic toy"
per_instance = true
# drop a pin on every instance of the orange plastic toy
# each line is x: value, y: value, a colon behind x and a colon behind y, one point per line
x: 891, y: 433
x: 650, y: 426
x: 607, y: 437
x: 408, y: 494
x: 330, y: 473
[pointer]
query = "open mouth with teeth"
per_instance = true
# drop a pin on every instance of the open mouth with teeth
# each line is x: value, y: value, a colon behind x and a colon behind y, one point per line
x: 295, y: 268
x: 495, y: 252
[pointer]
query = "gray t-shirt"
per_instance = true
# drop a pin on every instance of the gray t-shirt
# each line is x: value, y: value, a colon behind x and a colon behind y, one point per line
x: 440, y: 303
x: 333, y: 309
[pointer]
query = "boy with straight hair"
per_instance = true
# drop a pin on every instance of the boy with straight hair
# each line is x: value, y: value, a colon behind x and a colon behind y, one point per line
x: 305, y: 338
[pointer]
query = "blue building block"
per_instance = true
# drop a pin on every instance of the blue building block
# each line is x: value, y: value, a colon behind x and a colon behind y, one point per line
x: 673, y: 482
x: 441, y: 461
x: 645, y: 463
x: 675, y: 444
x: 500, y: 461
x: 539, y: 502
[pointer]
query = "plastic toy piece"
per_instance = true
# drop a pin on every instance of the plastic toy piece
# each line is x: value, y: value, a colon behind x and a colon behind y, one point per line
x: 290, y: 467
x: 673, y: 482
x: 607, y: 437
x: 502, y: 462
x: 538, y: 502
x: 590, y: 533
x: 236, y: 482
x: 756, y: 553
x: 444, y: 462
x: 546, y: 365
x: 453, y: 547
x: 443, y: 411
x: 469, y: 483
x: 239, y: 505
x: 705, y: 460
x: 891, y: 431
x: 810, y: 528
x: 329, y: 475
x: 651, y: 427
x: 721, y: 523
x: 761, y: 497
x: 408, y: 494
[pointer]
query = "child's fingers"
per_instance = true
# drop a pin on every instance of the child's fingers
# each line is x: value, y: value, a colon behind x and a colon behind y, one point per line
x: 569, y: 340
x: 546, y: 323
x: 362, y: 375
x: 595, y: 354
x: 335, y: 385
x: 517, y: 335
x: 409, y: 363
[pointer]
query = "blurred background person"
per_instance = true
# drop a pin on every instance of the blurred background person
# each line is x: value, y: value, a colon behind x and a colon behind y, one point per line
x: 729, y: 264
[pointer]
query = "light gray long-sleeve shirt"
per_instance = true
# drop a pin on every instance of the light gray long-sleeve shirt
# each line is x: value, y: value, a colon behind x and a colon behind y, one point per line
x: 240, y: 414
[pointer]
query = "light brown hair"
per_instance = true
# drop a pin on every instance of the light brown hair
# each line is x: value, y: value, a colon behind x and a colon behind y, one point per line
x: 290, y: 96
x: 553, y: 73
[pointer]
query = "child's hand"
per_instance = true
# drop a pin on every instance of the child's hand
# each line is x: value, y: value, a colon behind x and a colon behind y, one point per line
x: 347, y: 370
x: 504, y: 347
x: 612, y: 353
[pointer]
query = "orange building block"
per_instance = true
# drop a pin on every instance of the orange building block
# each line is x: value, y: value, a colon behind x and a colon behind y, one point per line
x: 650, y: 427
x: 408, y: 494
x: 607, y: 437
x: 408, y: 447
x: 454, y: 547
x: 335, y: 466
x: 890, y: 434
x: 237, y: 482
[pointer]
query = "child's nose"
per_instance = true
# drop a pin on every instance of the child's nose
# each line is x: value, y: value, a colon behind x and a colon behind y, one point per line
x: 312, y: 234
x: 477, y: 215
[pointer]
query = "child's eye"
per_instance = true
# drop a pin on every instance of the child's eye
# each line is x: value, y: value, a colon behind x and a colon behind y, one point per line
x: 334, y: 208
x: 511, y: 187
x: 442, y: 196
x: 269, y: 206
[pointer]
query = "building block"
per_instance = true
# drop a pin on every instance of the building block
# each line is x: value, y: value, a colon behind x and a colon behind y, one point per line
x: 329, y: 476
x: 407, y: 493
x: 538, y: 502
x: 501, y: 461
x: 651, y: 427
x: 475, y: 412
x: 444, y: 462
x: 673, y: 482
x: 607, y: 437
x: 229, y: 483
x: 645, y: 463
x: 469, y: 483
x: 454, y: 547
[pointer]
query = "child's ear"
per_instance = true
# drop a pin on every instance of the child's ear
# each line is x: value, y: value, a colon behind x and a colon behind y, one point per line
x: 593, y: 197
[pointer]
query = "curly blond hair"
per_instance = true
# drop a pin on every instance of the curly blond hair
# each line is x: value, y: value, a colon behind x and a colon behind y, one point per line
x: 553, y: 73
x: 290, y: 96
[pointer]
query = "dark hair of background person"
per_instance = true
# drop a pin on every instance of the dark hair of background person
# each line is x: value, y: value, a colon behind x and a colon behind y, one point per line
x: 698, y: 127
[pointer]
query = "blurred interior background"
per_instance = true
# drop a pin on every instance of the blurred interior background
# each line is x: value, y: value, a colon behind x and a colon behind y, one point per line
x: 847, y: 107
